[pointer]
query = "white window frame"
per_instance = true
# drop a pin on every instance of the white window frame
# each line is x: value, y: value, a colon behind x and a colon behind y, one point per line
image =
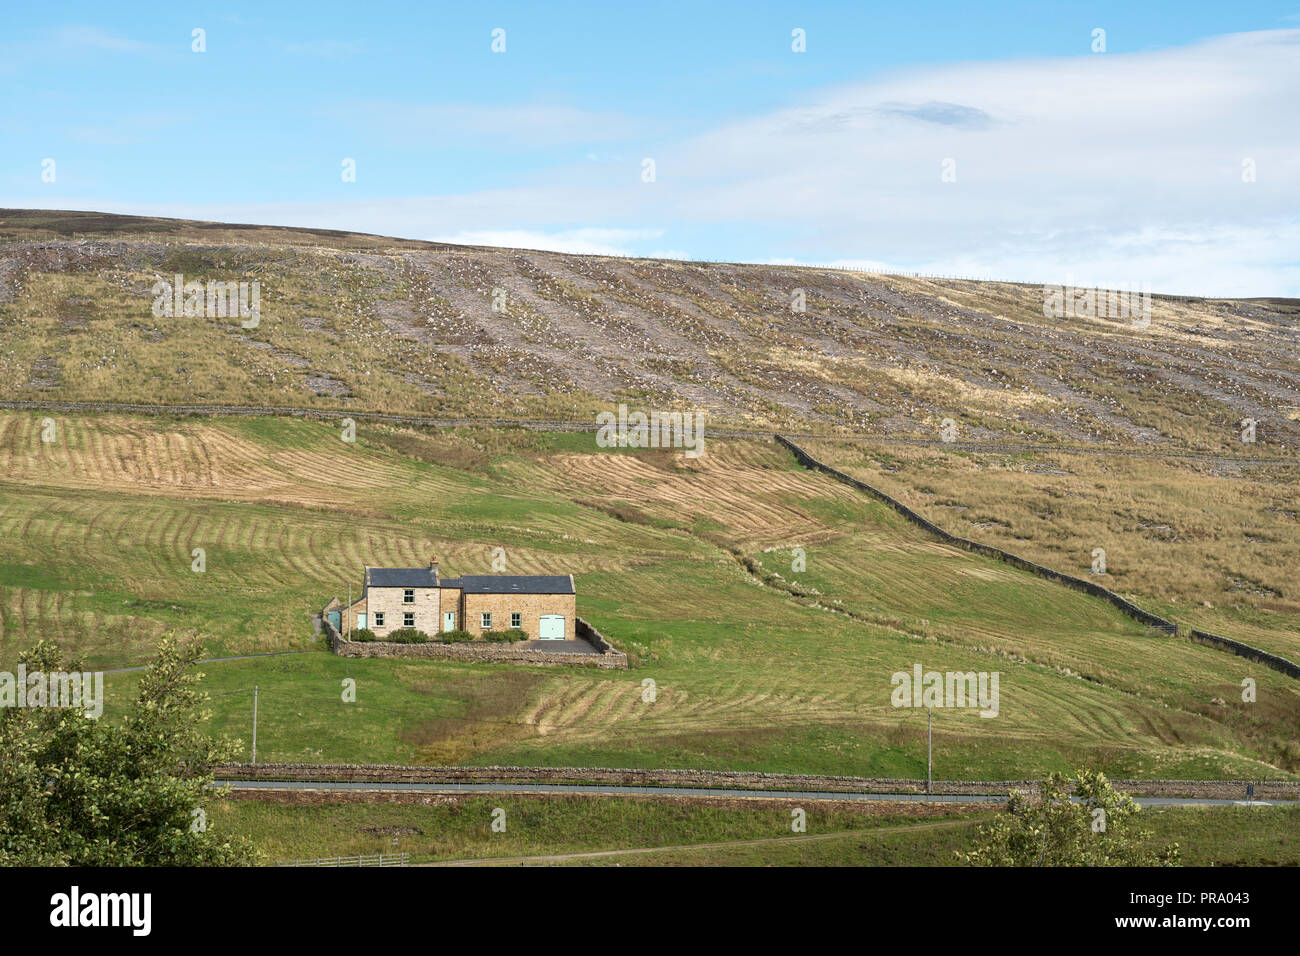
x: 408, y: 596
x: 408, y: 619
x: 485, y: 620
x: 379, y: 619
x: 516, y: 619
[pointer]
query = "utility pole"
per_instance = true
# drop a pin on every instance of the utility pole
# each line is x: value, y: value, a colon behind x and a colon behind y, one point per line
x: 929, y: 741
x: 348, y: 610
x: 254, y: 725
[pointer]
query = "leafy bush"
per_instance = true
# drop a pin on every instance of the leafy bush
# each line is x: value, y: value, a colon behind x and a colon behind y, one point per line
x: 1051, y: 829
x: 511, y: 635
x: 365, y: 634
x: 106, y: 793
x: 455, y: 637
x: 407, y: 635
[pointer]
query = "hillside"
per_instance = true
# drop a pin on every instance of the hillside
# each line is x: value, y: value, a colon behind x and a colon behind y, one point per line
x: 1213, y: 544
x: 97, y: 531
x: 1074, y: 434
x: 367, y: 323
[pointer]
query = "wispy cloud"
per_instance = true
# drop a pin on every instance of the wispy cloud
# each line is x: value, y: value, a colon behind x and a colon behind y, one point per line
x: 536, y: 124
x: 598, y: 242
x: 97, y: 38
x: 1111, y: 168
x: 944, y: 114
x: 1114, y: 167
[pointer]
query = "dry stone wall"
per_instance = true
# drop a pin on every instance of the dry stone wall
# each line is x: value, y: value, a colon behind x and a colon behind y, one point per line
x: 1079, y: 584
x: 739, y: 780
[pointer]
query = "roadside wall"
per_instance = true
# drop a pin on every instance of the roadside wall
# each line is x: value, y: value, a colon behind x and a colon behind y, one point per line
x: 741, y: 780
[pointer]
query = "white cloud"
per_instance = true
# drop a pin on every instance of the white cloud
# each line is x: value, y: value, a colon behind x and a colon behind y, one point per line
x: 1107, y: 166
x: 861, y: 265
x: 597, y: 242
x: 1114, y: 168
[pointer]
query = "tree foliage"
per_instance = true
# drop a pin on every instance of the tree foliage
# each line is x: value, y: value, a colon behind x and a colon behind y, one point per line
x: 1099, y: 827
x: 85, y: 792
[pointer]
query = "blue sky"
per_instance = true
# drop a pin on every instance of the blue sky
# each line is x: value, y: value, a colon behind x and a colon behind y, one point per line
x: 1107, y: 167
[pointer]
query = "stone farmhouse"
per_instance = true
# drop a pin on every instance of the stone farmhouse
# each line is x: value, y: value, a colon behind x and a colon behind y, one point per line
x: 542, y: 605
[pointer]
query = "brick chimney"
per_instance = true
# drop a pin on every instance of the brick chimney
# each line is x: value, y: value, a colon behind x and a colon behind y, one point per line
x: 433, y: 565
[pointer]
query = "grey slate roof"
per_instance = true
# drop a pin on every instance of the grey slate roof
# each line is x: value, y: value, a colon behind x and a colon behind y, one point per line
x: 516, y: 583
x: 403, y: 578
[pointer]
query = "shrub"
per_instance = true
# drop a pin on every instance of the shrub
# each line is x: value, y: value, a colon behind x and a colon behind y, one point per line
x: 85, y: 792
x: 513, y: 634
x: 365, y: 634
x: 408, y: 635
x: 455, y: 637
x: 1051, y: 829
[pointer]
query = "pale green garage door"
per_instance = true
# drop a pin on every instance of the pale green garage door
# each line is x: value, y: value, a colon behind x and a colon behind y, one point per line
x: 552, y: 627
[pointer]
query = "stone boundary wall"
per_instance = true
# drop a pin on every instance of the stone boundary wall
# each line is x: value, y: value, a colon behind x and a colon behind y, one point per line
x: 608, y: 658
x: 739, y: 780
x: 1281, y: 664
x: 593, y: 637
x: 560, y: 425
x: 332, y: 414
x: 1246, y: 651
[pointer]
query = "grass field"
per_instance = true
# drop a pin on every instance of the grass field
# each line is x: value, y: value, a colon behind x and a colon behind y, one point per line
x: 97, y: 531
x: 1215, y: 545
x: 449, y: 828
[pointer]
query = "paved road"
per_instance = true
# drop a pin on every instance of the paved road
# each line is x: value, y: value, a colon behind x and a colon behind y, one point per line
x: 605, y: 790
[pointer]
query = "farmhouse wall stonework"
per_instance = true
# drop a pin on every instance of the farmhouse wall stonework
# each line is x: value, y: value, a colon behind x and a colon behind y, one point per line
x: 608, y: 658
x: 530, y: 606
x: 451, y: 602
x: 388, y: 601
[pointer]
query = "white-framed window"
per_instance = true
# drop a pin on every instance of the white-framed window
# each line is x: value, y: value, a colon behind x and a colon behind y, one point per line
x: 516, y: 619
x: 408, y: 619
x: 487, y: 620
x: 379, y: 619
x: 408, y: 596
